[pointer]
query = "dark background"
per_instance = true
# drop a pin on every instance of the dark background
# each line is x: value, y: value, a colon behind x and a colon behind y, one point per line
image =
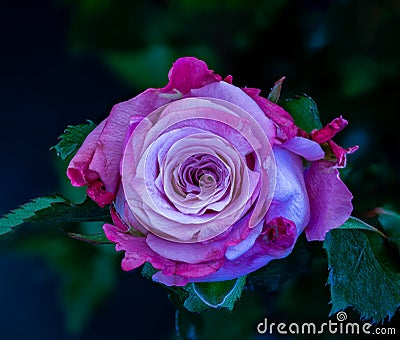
x: 63, y: 62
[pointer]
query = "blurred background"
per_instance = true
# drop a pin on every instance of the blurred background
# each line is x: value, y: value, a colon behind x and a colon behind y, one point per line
x: 65, y: 61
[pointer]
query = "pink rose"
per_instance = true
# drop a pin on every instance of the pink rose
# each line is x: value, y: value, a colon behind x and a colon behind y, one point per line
x: 207, y: 181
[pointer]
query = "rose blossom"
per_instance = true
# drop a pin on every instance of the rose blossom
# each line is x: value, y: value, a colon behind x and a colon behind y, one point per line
x: 207, y: 181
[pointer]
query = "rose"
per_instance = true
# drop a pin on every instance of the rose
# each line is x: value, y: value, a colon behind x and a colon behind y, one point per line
x: 207, y: 181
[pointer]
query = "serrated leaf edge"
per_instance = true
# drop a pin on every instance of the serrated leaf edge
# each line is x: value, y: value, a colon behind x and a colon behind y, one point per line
x: 222, y: 303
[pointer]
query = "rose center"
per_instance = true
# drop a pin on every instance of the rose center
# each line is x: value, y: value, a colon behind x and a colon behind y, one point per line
x: 202, y: 174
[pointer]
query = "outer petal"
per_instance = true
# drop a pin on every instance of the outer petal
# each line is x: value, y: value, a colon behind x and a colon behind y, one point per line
x: 100, y: 155
x: 286, y: 128
x: 239, y: 234
x: 187, y: 252
x: 189, y: 73
x: 239, y: 249
x: 340, y: 153
x: 97, y: 193
x: 172, y: 280
x: 137, y: 253
x: 267, y: 247
x: 290, y: 198
x: 329, y: 131
x: 78, y: 170
x: 136, y: 250
x: 107, y: 157
x: 304, y: 147
x: 330, y: 200
x: 184, y: 273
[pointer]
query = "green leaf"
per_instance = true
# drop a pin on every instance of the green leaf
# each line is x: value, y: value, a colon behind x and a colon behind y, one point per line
x: 191, y: 301
x: 355, y: 223
x: 364, y: 272
x: 98, y: 238
x: 390, y: 221
x: 275, y: 273
x: 53, y: 209
x: 27, y: 212
x: 197, y: 297
x: 72, y: 139
x: 220, y: 294
x: 148, y: 270
x: 304, y: 111
x: 275, y: 92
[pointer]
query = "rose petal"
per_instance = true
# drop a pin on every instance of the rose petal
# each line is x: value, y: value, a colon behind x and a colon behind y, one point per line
x: 235, y: 251
x: 136, y: 250
x: 305, y: 148
x: 340, y: 153
x: 186, y: 252
x: 263, y: 251
x: 101, y: 153
x: 107, y: 157
x: 235, y: 95
x: 329, y: 131
x: 194, y: 270
x: 290, y: 198
x: 286, y: 128
x: 202, y: 251
x: 137, y: 253
x: 118, y: 222
x: 97, y: 193
x: 170, y: 280
x: 154, y: 213
x: 78, y: 169
x: 278, y: 236
x: 290, y: 203
x: 330, y: 199
x: 189, y: 73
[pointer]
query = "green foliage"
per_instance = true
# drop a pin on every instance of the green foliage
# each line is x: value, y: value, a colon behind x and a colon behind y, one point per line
x: 275, y: 92
x: 191, y: 301
x: 98, y: 238
x: 198, y: 297
x: 220, y: 294
x: 72, y: 139
x: 390, y: 221
x: 148, y: 270
x: 27, y: 212
x: 304, y: 111
x: 355, y: 223
x: 364, y: 272
x: 53, y: 209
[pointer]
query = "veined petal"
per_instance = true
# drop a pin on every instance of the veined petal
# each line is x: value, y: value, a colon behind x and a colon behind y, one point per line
x: 330, y: 199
